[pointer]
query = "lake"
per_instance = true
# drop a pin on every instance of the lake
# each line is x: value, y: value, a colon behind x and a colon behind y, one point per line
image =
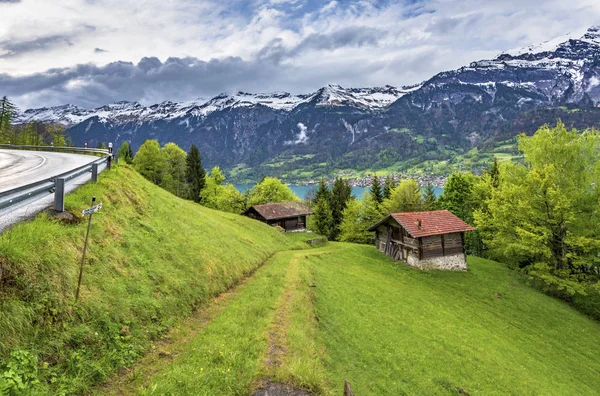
x: 301, y: 191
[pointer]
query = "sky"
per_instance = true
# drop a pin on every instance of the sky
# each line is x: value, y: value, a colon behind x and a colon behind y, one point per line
x: 93, y: 52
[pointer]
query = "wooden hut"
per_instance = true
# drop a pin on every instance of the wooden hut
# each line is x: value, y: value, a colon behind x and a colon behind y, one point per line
x: 291, y: 216
x: 434, y: 239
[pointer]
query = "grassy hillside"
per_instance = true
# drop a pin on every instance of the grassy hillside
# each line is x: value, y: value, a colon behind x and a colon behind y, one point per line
x: 314, y: 318
x: 153, y: 259
x: 390, y: 329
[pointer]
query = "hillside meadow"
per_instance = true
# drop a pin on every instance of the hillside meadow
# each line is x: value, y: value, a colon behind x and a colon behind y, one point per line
x: 180, y: 299
x: 311, y: 319
x: 153, y: 259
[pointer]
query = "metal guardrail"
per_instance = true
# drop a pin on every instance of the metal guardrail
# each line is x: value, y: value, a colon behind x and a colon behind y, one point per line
x: 67, y: 149
x: 10, y: 199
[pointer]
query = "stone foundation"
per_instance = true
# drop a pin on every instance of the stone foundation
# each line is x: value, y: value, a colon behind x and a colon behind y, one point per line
x: 455, y: 262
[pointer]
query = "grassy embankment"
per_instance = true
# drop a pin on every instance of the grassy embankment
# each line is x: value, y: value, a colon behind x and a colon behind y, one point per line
x: 153, y: 259
x: 314, y: 318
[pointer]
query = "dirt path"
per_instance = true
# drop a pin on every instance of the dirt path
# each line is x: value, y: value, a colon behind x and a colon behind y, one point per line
x: 170, y: 360
x: 130, y: 380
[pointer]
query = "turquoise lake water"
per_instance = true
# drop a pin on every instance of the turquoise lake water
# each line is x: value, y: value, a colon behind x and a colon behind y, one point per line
x: 301, y: 191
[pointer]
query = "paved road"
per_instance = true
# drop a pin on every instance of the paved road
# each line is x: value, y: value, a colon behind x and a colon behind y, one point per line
x: 18, y: 167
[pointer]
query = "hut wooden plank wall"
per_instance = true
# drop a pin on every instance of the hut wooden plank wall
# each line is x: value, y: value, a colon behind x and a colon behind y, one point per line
x: 432, y: 239
x: 291, y: 216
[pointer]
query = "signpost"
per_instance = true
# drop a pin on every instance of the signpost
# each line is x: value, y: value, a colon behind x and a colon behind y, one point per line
x: 90, y: 212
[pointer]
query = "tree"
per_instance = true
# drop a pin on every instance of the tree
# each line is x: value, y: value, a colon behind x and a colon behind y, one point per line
x: 58, y: 140
x: 357, y: 218
x: 124, y: 153
x: 376, y: 190
x: 195, y: 175
x: 390, y: 184
x: 339, y: 196
x: 8, y: 112
x: 150, y: 161
x: 404, y: 198
x: 429, y: 198
x: 494, y: 172
x: 175, y: 171
x: 544, y: 214
x: 322, y: 191
x: 351, y: 229
x: 270, y: 189
x: 322, y: 217
x: 215, y: 195
x: 458, y: 195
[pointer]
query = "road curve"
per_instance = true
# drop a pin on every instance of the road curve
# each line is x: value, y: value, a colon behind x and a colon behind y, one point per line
x: 18, y: 167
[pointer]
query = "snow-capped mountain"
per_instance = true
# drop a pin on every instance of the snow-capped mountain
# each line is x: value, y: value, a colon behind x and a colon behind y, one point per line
x: 515, y: 92
x: 123, y: 112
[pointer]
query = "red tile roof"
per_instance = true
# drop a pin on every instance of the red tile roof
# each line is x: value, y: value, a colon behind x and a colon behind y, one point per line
x: 435, y: 222
x: 281, y: 210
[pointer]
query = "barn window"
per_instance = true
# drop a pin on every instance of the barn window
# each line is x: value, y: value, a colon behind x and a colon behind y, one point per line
x: 396, y: 233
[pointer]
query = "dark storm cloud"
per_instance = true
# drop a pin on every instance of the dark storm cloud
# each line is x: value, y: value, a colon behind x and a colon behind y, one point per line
x: 149, y: 81
x: 10, y: 48
x: 353, y: 36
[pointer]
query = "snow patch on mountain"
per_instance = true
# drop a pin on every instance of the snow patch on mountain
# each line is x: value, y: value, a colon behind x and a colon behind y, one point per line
x: 124, y: 112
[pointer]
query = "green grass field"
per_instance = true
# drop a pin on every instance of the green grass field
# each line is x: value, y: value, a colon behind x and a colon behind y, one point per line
x: 313, y: 318
x: 180, y: 299
x: 153, y: 259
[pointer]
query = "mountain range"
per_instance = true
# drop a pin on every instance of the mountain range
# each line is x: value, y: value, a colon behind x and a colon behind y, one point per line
x: 337, y: 128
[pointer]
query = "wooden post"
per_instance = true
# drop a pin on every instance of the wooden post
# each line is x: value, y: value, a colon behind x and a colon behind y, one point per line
x: 87, y: 234
x: 348, y: 389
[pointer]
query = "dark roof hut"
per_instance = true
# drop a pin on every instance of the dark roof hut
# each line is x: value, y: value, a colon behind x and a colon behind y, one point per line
x: 432, y: 239
x: 291, y: 216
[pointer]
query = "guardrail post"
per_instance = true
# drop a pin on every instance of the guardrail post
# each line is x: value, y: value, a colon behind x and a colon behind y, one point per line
x: 109, y: 161
x: 94, y: 172
x: 59, y: 194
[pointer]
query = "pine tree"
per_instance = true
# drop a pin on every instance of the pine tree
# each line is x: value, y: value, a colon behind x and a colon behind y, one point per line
x: 376, y: 190
x: 194, y: 174
x: 124, y: 153
x: 8, y: 111
x: 340, y: 194
x: 429, y: 198
x: 494, y: 172
x: 322, y: 191
x: 390, y: 184
x: 322, y: 217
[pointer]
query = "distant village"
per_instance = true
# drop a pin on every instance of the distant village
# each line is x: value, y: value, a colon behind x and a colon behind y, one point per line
x: 366, y: 181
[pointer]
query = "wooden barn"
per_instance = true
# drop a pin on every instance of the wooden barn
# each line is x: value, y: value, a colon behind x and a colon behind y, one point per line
x: 291, y: 216
x: 434, y: 239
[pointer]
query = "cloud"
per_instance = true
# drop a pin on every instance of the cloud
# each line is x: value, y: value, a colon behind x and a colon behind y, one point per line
x: 148, y: 81
x: 302, y: 136
x: 190, y: 48
x: 10, y: 1
x: 354, y: 36
x: 11, y: 48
